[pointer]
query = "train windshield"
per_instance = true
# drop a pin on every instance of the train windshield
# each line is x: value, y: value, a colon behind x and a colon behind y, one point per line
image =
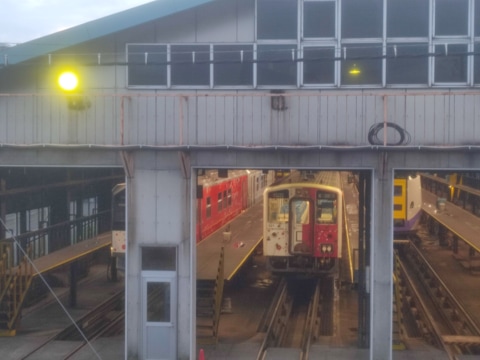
x: 326, y: 209
x: 278, y: 206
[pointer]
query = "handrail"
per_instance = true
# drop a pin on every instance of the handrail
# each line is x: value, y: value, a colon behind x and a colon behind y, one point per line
x: 56, y: 237
x: 219, y: 283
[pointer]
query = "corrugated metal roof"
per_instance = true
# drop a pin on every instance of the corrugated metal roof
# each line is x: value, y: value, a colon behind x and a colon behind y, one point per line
x: 95, y: 29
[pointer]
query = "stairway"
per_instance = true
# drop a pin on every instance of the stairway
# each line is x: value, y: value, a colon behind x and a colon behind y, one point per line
x: 14, y: 285
x: 209, y: 302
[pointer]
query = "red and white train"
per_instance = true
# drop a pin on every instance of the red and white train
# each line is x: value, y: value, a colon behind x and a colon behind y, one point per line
x: 303, y: 223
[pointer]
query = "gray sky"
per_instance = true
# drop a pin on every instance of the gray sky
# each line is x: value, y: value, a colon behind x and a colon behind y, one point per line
x: 24, y: 20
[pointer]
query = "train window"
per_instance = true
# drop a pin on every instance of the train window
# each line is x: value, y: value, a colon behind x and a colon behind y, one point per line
x: 326, y: 211
x: 229, y: 197
x: 397, y: 207
x: 277, y: 210
x: 397, y: 190
x: 219, y: 202
x: 208, y: 207
x: 225, y: 203
x: 301, y: 211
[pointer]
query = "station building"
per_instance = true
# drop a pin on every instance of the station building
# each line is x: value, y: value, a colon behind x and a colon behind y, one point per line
x: 173, y: 86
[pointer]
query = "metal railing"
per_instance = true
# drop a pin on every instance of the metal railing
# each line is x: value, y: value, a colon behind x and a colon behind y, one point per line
x: 44, y: 241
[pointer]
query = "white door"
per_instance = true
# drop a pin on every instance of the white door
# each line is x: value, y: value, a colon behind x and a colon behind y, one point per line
x: 159, y: 315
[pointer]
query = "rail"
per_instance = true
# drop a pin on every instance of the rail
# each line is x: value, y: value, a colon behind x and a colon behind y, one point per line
x: 461, y: 335
x: 311, y: 325
x: 277, y: 324
x: 99, y: 321
x: 288, y: 315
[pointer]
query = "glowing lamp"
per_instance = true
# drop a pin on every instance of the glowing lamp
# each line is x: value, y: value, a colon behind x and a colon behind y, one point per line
x: 68, y: 81
x: 354, y: 70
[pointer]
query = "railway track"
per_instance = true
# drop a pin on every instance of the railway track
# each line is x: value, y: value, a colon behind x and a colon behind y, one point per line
x: 300, y: 312
x: 107, y: 319
x: 439, y: 317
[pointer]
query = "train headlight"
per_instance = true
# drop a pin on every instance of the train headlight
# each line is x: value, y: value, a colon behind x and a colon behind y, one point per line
x: 324, y: 248
x: 329, y: 248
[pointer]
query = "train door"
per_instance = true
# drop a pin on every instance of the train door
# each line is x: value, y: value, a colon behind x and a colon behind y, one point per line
x: 300, y: 225
x: 158, y: 303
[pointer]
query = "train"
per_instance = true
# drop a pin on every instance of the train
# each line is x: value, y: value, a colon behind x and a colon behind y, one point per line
x: 407, y: 204
x: 303, y: 223
x: 221, y: 196
x: 224, y: 194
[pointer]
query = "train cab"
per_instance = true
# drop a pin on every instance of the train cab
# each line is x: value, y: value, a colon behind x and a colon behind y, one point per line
x: 302, y: 227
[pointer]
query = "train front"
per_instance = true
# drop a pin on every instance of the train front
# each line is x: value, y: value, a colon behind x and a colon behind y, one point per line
x: 302, y: 228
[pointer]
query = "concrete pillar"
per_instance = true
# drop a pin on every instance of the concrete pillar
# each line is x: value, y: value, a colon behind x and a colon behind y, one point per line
x: 382, y: 262
x: 158, y: 213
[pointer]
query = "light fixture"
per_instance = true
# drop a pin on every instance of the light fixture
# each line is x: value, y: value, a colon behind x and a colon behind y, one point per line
x: 354, y: 70
x: 68, y: 81
x: 278, y: 100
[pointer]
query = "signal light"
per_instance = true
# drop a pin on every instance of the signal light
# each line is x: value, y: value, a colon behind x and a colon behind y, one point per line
x: 69, y: 83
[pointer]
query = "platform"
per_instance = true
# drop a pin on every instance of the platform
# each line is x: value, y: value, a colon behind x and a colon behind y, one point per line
x: 460, y: 222
x: 71, y: 253
x: 246, y: 234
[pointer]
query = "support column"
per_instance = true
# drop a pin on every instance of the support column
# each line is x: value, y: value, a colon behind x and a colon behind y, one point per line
x: 382, y: 263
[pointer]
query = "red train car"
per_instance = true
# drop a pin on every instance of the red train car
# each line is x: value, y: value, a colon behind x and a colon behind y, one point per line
x: 220, y: 199
x: 303, y: 224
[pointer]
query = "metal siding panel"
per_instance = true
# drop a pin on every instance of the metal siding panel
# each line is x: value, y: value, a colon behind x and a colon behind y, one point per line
x: 173, y: 118
x: 229, y: 107
x: 437, y: 121
x: 161, y: 109
x: 323, y: 107
x: 338, y: 138
x: 353, y: 122
x: 309, y: 116
x: 469, y: 126
x: 476, y: 120
x: 253, y: 125
x: 410, y: 117
x: 458, y: 119
x: 202, y: 120
x: 291, y: 115
x: 370, y: 111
